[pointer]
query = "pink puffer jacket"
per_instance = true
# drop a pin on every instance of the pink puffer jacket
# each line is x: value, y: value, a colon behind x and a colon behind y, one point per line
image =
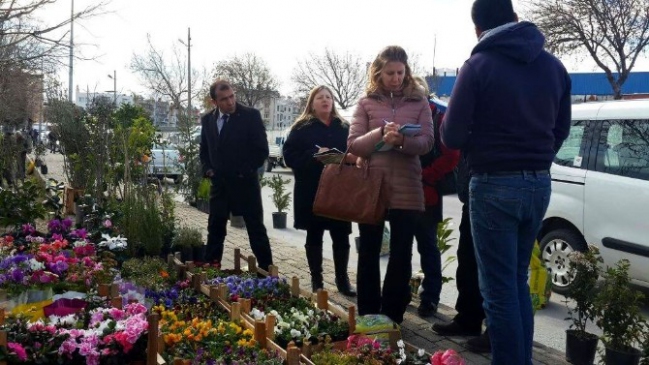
x: 401, y: 167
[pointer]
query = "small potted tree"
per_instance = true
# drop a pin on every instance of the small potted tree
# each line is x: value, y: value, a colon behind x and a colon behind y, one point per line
x: 281, y: 198
x: 189, y: 241
x: 585, y: 268
x: 619, y: 317
x: 203, y: 196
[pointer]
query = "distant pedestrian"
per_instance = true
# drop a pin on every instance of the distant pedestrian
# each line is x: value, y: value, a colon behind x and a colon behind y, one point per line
x: 233, y: 147
x: 319, y: 129
x: 22, y: 147
x: 509, y: 112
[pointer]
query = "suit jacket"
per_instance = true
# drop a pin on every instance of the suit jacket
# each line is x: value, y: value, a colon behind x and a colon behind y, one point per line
x: 234, y: 155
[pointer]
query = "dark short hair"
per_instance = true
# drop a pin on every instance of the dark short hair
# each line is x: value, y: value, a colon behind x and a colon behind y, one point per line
x: 219, y: 85
x: 489, y: 14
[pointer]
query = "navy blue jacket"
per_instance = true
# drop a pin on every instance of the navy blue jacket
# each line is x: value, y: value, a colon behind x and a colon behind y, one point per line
x: 510, y: 106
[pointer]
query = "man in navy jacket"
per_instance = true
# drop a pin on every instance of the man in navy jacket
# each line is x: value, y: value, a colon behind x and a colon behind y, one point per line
x: 509, y: 112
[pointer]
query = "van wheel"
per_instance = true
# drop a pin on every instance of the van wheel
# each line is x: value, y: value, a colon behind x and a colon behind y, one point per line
x: 556, y: 247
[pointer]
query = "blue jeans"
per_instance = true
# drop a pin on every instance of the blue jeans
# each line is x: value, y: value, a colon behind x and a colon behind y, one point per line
x: 506, y: 215
x: 431, y: 259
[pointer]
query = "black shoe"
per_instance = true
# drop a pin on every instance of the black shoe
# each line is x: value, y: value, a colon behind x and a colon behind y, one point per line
x: 344, y: 286
x: 426, y: 309
x: 480, y: 344
x: 455, y: 329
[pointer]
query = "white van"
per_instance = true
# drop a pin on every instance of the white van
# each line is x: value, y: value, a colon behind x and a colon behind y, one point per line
x: 600, y: 190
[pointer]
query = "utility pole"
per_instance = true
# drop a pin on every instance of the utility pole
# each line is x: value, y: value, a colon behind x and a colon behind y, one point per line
x: 70, y: 83
x: 114, y: 77
x: 115, y: 88
x: 189, y: 73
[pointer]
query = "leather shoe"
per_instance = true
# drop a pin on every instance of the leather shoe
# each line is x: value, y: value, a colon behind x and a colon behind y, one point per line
x: 455, y: 329
x: 426, y: 309
x: 480, y: 344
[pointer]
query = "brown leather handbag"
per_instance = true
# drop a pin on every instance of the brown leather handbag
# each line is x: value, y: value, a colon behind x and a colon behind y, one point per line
x: 350, y: 193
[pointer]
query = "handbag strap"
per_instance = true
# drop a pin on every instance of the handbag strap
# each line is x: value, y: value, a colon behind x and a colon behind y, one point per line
x: 366, y: 168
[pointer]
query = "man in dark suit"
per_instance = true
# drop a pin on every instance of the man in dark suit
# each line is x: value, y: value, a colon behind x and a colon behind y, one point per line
x: 233, y: 147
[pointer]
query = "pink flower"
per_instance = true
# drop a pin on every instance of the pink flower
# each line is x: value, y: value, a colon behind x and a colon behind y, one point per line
x: 448, y: 357
x: 134, y: 309
x: 17, y: 349
x: 116, y: 314
x: 108, y: 223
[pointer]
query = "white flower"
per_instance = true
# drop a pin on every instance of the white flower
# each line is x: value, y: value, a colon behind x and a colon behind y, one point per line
x: 421, y: 352
x: 80, y: 243
x: 401, y: 344
x: 70, y: 319
x: 257, y: 314
x: 113, y: 242
x: 295, y: 333
x: 274, y: 312
x: 35, y: 265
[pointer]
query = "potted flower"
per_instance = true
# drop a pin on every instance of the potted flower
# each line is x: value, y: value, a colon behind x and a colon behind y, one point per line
x: 190, y: 242
x: 281, y: 198
x: 39, y: 152
x: 619, y: 317
x: 581, y: 345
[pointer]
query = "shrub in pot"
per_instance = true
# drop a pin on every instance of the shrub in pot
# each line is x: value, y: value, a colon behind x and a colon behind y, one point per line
x: 280, y: 197
x: 585, y: 268
x: 189, y: 241
x: 619, y: 317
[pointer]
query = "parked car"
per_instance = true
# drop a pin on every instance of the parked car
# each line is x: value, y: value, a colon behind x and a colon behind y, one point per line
x: 600, y: 190
x: 165, y: 162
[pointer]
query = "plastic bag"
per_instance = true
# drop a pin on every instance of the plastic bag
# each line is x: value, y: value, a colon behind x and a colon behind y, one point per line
x: 377, y: 326
x: 539, y: 280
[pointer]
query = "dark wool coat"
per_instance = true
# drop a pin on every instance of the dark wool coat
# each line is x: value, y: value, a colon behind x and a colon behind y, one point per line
x: 234, y: 155
x: 298, y: 155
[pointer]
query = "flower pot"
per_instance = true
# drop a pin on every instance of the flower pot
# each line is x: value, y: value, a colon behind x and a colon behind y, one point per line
x: 38, y: 162
x: 199, y: 253
x: 103, y: 290
x: 44, y: 169
x: 279, y: 220
x: 628, y: 356
x: 203, y: 206
x: 187, y: 253
x: 580, y: 350
x: 237, y: 221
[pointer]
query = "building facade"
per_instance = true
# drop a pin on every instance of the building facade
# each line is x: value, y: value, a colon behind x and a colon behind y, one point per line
x: 279, y: 113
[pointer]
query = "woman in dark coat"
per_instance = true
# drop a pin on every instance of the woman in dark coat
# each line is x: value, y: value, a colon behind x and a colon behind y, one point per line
x: 318, y: 129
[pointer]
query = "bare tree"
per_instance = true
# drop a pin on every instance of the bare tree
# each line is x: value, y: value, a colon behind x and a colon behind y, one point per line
x: 613, y: 32
x: 26, y: 41
x: 250, y: 76
x: 166, y: 77
x: 344, y: 73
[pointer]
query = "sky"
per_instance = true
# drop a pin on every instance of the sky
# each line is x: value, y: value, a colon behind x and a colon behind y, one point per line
x: 438, y: 33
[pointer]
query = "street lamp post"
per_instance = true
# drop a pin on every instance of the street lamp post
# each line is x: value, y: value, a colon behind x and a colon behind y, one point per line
x: 70, y: 88
x: 114, y: 77
x: 189, y: 72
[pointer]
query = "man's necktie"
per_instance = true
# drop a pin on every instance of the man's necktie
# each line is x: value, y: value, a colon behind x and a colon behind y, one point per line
x: 224, y: 120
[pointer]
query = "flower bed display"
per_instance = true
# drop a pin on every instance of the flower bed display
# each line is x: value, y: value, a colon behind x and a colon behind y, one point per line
x: 300, y: 322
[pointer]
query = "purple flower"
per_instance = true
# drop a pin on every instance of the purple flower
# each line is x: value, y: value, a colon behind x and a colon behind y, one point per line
x: 61, y: 266
x: 80, y: 233
x: 67, y: 223
x: 17, y: 275
x: 54, y: 226
x: 28, y: 229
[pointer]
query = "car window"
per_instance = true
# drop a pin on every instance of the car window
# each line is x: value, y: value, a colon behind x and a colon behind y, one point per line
x: 623, y: 148
x: 571, y: 152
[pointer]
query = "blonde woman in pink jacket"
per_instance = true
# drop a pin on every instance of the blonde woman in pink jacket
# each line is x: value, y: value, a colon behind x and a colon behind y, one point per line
x: 393, y: 99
